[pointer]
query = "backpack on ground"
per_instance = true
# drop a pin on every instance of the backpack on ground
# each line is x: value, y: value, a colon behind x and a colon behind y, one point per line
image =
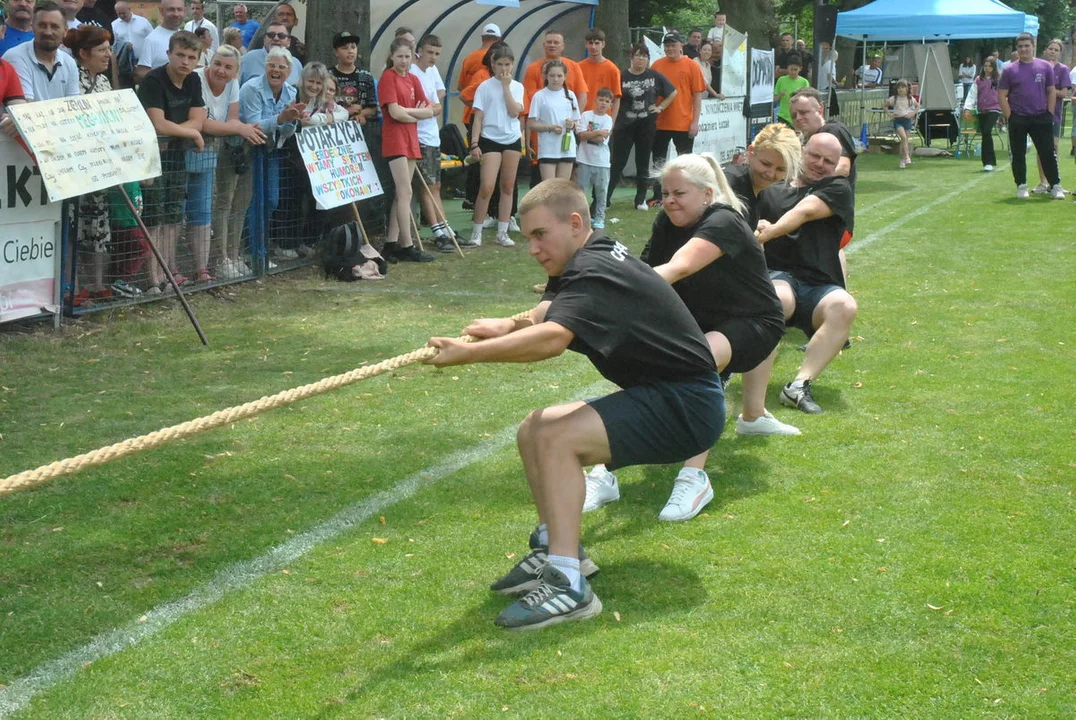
x: 347, y: 257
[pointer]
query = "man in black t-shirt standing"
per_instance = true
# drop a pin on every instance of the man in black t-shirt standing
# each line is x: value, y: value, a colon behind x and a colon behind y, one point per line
x: 608, y: 305
x: 801, y: 225
x: 172, y: 97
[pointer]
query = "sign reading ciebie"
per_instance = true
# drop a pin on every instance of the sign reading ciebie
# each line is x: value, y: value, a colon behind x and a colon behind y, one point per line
x: 338, y: 163
x: 89, y: 142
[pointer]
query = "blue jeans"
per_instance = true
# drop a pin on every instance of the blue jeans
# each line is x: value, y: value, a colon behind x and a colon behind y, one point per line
x: 199, y: 207
x: 265, y: 172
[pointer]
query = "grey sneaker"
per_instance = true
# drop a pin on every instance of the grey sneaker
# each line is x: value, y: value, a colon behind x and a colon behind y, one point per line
x: 1041, y: 188
x: 800, y: 398
x: 444, y: 245
x: 553, y: 601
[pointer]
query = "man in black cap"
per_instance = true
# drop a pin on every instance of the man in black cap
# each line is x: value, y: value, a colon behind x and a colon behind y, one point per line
x: 679, y: 118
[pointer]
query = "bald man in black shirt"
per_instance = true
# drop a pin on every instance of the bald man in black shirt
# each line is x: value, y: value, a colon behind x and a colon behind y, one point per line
x: 801, y: 225
x: 610, y: 306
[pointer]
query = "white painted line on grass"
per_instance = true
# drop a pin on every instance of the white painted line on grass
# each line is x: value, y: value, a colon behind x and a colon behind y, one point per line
x: 884, y: 201
x: 18, y: 694
x: 859, y: 244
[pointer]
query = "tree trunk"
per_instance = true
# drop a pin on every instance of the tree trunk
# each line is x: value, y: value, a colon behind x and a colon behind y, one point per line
x: 754, y: 17
x: 324, y: 19
x: 612, y: 17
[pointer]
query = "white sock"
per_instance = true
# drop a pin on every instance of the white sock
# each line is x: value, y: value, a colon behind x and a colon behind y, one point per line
x: 796, y: 384
x: 570, y: 568
x: 698, y: 474
x: 439, y: 230
x: 476, y: 227
x: 502, y: 228
x: 543, y: 535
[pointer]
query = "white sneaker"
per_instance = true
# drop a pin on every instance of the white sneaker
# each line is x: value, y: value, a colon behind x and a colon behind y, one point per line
x: 226, y: 270
x: 988, y: 168
x: 691, y: 493
x: 513, y: 226
x: 601, y: 488
x: 1041, y: 188
x: 1021, y: 192
x: 1057, y: 193
x: 504, y: 241
x: 489, y: 222
x: 765, y: 425
x: 642, y: 206
x: 476, y: 237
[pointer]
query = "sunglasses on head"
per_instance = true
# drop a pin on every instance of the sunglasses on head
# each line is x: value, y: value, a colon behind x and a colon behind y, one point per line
x: 276, y: 36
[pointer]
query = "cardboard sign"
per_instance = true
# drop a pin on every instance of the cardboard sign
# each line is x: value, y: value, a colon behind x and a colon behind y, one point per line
x: 29, y: 238
x: 722, y: 129
x: 89, y: 142
x: 734, y: 64
x: 339, y: 165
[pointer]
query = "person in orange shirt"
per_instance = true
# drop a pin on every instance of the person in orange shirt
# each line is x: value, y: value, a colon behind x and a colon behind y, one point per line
x: 491, y: 33
x: 533, y: 81
x: 679, y: 118
x: 599, y: 71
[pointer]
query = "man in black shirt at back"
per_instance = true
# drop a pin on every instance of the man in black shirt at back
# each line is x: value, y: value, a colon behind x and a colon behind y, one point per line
x: 601, y: 302
x: 801, y: 225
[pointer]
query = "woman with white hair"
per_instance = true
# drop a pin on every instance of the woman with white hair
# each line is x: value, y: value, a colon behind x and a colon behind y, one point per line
x: 227, y: 138
x: 702, y: 245
x: 268, y: 101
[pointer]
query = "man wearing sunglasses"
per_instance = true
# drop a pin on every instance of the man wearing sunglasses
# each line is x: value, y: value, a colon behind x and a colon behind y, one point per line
x: 253, y: 64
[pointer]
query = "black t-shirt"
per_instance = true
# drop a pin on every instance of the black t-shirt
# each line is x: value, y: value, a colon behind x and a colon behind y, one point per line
x: 781, y: 56
x: 736, y: 285
x: 739, y: 177
x: 639, y: 92
x: 848, y: 146
x: 809, y: 254
x: 158, y: 91
x: 354, y: 88
x: 94, y: 16
x: 626, y: 319
x: 690, y: 51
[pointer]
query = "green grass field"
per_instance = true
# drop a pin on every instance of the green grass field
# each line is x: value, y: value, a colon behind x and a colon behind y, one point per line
x: 909, y: 556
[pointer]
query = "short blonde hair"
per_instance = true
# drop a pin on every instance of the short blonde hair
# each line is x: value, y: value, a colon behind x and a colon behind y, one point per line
x: 563, y: 198
x: 704, y: 172
x: 782, y: 140
x: 227, y: 51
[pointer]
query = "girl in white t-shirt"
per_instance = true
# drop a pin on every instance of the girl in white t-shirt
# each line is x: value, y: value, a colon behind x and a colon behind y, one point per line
x: 496, y: 142
x: 554, y: 111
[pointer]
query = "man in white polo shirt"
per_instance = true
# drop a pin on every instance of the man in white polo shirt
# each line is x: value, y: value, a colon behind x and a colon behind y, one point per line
x: 44, y: 71
x: 130, y: 28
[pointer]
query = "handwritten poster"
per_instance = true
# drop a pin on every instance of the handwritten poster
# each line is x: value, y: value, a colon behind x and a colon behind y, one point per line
x: 338, y: 163
x: 722, y: 129
x: 89, y: 142
x: 734, y: 64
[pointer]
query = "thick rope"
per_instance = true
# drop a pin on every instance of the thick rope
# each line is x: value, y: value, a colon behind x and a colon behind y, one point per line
x: 43, y: 474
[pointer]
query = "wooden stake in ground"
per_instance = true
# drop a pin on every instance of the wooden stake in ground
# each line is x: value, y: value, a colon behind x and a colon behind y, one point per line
x: 164, y: 266
x: 451, y: 232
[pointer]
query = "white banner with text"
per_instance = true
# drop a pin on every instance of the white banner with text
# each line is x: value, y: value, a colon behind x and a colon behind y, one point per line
x: 339, y: 165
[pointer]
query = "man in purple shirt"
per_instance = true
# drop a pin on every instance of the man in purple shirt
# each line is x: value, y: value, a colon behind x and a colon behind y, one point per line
x: 1028, y: 95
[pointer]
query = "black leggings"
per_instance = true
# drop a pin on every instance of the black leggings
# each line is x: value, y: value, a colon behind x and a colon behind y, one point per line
x: 638, y: 134
x: 682, y: 141
x: 987, y: 120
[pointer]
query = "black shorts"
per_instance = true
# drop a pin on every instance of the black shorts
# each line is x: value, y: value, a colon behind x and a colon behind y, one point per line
x: 663, y: 422
x: 752, y: 340
x: 555, y: 161
x: 489, y: 146
x: 807, y: 299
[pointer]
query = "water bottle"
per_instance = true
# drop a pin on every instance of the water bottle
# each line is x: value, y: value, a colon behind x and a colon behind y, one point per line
x: 566, y: 139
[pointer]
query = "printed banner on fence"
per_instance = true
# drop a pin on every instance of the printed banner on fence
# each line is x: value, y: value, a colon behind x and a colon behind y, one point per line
x: 29, y: 232
x: 89, y: 142
x: 734, y: 64
x: 722, y: 129
x: 338, y: 163
x: 762, y: 80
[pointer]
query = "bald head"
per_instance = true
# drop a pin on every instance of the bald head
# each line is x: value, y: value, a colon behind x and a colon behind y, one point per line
x: 820, y: 157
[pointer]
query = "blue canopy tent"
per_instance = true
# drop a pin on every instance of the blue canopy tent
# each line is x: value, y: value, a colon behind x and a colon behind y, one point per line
x: 891, y: 20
